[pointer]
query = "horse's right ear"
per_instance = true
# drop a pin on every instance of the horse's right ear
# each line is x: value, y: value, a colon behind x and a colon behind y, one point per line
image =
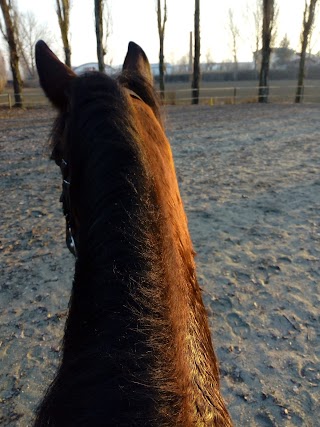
x: 54, y: 76
x: 136, y: 61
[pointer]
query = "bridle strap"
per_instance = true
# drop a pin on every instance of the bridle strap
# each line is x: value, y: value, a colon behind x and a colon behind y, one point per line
x: 133, y: 94
x: 66, y: 204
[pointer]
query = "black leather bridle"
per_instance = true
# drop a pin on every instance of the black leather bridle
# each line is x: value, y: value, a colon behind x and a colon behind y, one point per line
x: 66, y: 205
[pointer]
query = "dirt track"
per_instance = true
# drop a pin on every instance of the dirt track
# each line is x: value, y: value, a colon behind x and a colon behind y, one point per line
x: 249, y: 177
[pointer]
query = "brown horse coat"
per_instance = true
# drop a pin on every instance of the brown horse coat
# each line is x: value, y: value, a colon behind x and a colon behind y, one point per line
x: 137, y: 347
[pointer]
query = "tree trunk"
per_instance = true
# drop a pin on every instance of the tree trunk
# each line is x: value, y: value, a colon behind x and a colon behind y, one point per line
x: 264, y: 76
x: 161, y: 67
x: 3, y: 73
x: 308, y: 20
x: 98, y: 11
x: 63, y: 12
x: 196, y: 62
x: 11, y: 38
x: 190, y: 54
x: 267, y: 27
x: 161, y: 29
x: 257, y: 25
x: 235, y: 35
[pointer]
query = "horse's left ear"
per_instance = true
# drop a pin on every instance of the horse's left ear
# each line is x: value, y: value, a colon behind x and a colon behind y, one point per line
x: 54, y: 76
x: 136, y: 61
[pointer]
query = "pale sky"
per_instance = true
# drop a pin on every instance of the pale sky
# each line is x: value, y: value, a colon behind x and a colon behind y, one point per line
x: 136, y: 20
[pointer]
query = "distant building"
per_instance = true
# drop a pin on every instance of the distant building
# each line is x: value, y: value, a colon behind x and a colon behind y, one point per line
x: 168, y: 69
x: 212, y: 66
x: 226, y: 66
x: 284, y: 58
x: 92, y: 66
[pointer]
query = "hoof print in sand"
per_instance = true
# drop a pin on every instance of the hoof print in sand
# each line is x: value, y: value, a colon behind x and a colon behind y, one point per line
x: 238, y: 325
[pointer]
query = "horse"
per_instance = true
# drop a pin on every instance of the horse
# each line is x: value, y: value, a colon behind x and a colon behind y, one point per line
x: 137, y: 349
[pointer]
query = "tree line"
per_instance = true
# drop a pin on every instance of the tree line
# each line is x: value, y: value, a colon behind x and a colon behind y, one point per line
x: 20, y: 34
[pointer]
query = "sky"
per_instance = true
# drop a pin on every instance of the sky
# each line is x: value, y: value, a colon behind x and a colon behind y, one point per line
x: 136, y: 20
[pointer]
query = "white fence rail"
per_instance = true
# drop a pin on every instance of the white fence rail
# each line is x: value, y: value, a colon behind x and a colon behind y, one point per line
x: 208, y: 95
x: 29, y: 99
x: 242, y: 94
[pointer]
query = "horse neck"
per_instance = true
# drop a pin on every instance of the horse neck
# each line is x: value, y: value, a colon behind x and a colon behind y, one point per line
x: 135, y: 283
x: 194, y: 361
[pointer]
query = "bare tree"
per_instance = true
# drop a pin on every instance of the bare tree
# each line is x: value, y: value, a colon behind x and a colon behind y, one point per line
x: 307, y: 26
x: 268, y: 27
x: 10, y: 33
x: 103, y: 25
x: 252, y: 17
x: 209, y: 60
x: 257, y: 17
x: 63, y: 12
x: 108, y: 30
x: 284, y: 52
x: 196, y: 63
x: 161, y: 28
x: 190, y: 52
x: 31, y: 31
x: 182, y: 65
x: 234, y: 30
x: 3, y: 73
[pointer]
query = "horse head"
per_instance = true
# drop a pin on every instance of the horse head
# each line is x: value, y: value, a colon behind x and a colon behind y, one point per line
x: 56, y: 80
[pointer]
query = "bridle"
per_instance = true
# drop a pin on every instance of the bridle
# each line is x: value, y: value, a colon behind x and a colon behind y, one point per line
x: 65, y: 197
x: 66, y: 206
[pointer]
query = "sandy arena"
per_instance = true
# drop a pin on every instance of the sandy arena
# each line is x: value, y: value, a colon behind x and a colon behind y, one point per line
x: 249, y: 177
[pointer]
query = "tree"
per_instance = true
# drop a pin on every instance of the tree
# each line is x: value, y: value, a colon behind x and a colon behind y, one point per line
x: 98, y: 13
x: 257, y: 18
x: 3, y: 73
x: 183, y: 64
x: 196, y: 63
x: 10, y: 33
x: 234, y: 30
x: 63, y: 12
x: 102, y: 30
x: 307, y: 26
x: 161, y: 29
x: 209, y: 60
x: 268, y: 27
x: 30, y: 32
x: 284, y: 53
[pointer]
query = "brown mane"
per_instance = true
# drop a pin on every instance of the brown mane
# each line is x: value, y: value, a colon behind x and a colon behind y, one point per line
x: 137, y: 348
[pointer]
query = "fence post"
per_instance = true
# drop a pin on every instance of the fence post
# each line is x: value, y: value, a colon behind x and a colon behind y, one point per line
x: 9, y: 101
x: 234, y: 94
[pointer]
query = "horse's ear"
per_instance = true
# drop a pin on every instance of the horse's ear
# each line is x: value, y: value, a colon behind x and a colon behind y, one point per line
x: 136, y: 61
x: 54, y: 76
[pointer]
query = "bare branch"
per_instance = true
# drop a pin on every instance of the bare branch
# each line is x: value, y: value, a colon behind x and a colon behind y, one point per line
x: 235, y: 33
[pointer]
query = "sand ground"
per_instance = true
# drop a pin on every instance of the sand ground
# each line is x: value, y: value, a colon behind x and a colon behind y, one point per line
x: 249, y: 177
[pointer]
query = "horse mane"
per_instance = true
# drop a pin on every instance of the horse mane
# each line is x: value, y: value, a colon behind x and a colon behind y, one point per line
x: 136, y: 316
